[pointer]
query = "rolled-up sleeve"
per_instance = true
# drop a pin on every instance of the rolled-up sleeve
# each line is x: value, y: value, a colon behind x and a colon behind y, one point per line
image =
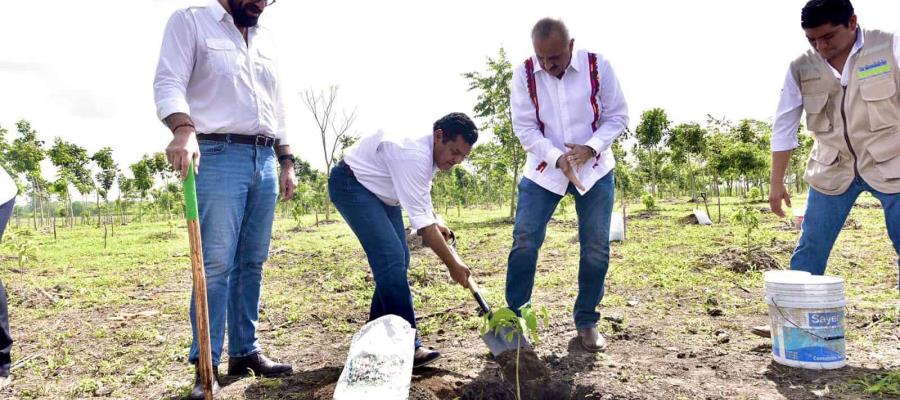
x: 525, y: 122
x: 281, y: 133
x: 176, y: 61
x: 411, y: 173
x: 787, y: 116
x: 613, y: 109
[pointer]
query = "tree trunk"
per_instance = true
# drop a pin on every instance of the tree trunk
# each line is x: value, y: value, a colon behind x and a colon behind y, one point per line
x: 98, y: 209
x: 718, y: 200
x: 34, y: 205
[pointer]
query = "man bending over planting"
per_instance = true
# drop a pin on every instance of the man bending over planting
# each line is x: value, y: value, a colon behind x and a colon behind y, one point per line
x: 378, y: 176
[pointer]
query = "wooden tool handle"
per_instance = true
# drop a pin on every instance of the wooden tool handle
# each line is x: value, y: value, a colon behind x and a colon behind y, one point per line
x: 476, y: 292
x: 201, y: 308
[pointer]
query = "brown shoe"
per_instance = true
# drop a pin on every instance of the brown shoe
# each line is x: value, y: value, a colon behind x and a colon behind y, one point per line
x: 259, y: 364
x: 762, y: 331
x: 424, y: 356
x: 592, y: 340
x: 197, y: 392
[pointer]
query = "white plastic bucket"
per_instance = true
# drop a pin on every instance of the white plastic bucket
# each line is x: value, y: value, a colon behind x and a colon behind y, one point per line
x: 807, y: 319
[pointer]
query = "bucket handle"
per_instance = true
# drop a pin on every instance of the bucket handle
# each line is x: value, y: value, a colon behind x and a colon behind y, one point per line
x: 827, y: 339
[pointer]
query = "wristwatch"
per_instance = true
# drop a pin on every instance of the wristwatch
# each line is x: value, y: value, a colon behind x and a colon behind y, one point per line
x: 286, y: 157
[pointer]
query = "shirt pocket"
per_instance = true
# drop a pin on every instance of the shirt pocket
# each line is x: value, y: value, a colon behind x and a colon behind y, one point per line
x: 221, y: 56
x: 817, y: 116
x: 264, y: 63
x: 878, y: 95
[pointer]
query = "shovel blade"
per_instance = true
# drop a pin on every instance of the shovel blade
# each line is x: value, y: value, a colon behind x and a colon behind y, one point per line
x: 498, y: 344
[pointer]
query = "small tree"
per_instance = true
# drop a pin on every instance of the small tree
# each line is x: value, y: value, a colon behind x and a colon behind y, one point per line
x: 22, y: 244
x: 493, y: 88
x: 747, y: 219
x: 652, y: 130
x: 649, y: 202
x: 333, y: 131
x: 523, y: 324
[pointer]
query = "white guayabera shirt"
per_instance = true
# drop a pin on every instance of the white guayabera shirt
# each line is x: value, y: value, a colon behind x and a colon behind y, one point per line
x: 567, y: 114
x: 790, y: 105
x: 226, y: 85
x: 8, y: 189
x: 399, y: 170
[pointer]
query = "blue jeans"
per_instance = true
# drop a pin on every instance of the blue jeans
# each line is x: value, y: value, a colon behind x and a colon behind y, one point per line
x: 536, y: 206
x: 6, y: 341
x: 237, y: 187
x: 825, y: 217
x: 379, y: 228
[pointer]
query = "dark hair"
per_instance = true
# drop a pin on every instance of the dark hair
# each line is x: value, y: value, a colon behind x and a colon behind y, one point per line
x: 546, y: 26
x: 820, y: 12
x: 455, y: 124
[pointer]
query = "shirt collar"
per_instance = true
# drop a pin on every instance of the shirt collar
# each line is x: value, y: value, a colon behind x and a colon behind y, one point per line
x: 217, y: 11
x: 860, y: 41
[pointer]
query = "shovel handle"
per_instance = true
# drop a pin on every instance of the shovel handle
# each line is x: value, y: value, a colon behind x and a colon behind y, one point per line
x: 476, y: 292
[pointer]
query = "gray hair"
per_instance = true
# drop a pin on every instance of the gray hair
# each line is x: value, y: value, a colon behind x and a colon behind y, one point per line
x: 546, y: 26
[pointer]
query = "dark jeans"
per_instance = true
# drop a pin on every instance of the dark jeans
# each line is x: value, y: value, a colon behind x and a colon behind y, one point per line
x: 379, y: 228
x: 5, y: 339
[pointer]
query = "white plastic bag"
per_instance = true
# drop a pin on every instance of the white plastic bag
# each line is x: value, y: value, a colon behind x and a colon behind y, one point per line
x: 702, y: 218
x: 617, y: 227
x: 379, y: 365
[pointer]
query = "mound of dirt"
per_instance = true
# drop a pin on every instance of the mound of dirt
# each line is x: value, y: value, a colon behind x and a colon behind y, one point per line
x: 735, y: 259
x: 533, y: 376
x: 690, y: 219
x: 416, y: 392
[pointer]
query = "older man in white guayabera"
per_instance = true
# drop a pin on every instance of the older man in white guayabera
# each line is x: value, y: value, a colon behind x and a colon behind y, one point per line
x: 567, y: 109
x: 217, y: 90
x: 847, y: 84
x: 8, y: 191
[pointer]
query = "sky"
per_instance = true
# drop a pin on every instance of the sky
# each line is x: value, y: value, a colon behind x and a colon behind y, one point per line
x: 83, y: 70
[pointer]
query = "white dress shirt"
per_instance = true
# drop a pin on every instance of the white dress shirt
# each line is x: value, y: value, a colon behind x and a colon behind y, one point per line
x: 790, y: 105
x: 8, y: 189
x: 567, y: 114
x: 399, y: 170
x: 225, y: 84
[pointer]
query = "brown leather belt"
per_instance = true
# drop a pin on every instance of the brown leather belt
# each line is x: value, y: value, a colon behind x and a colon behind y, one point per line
x: 256, y: 140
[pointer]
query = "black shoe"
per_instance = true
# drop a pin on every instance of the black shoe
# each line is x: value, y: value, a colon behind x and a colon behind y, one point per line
x: 197, y: 393
x: 424, y: 356
x: 259, y: 364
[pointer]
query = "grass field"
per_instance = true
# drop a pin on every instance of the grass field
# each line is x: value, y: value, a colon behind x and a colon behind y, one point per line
x: 95, y: 322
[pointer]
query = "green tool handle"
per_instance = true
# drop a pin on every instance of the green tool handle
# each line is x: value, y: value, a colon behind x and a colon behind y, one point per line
x: 190, y: 195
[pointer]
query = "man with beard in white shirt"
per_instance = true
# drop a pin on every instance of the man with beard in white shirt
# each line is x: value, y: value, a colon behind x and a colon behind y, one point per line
x: 217, y: 90
x: 567, y: 110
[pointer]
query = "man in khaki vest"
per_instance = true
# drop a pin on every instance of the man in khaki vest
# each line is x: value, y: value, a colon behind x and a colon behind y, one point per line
x: 847, y: 84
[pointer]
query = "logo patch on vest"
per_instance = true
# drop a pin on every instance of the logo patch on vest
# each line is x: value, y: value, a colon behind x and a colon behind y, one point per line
x: 877, y: 68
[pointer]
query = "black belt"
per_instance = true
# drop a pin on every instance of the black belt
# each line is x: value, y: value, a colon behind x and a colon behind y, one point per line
x: 346, y: 167
x: 256, y: 140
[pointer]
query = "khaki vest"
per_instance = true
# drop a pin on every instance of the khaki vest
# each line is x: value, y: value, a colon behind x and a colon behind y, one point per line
x: 857, y: 128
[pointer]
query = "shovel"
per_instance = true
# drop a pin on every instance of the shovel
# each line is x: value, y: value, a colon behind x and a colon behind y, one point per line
x: 496, y: 342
